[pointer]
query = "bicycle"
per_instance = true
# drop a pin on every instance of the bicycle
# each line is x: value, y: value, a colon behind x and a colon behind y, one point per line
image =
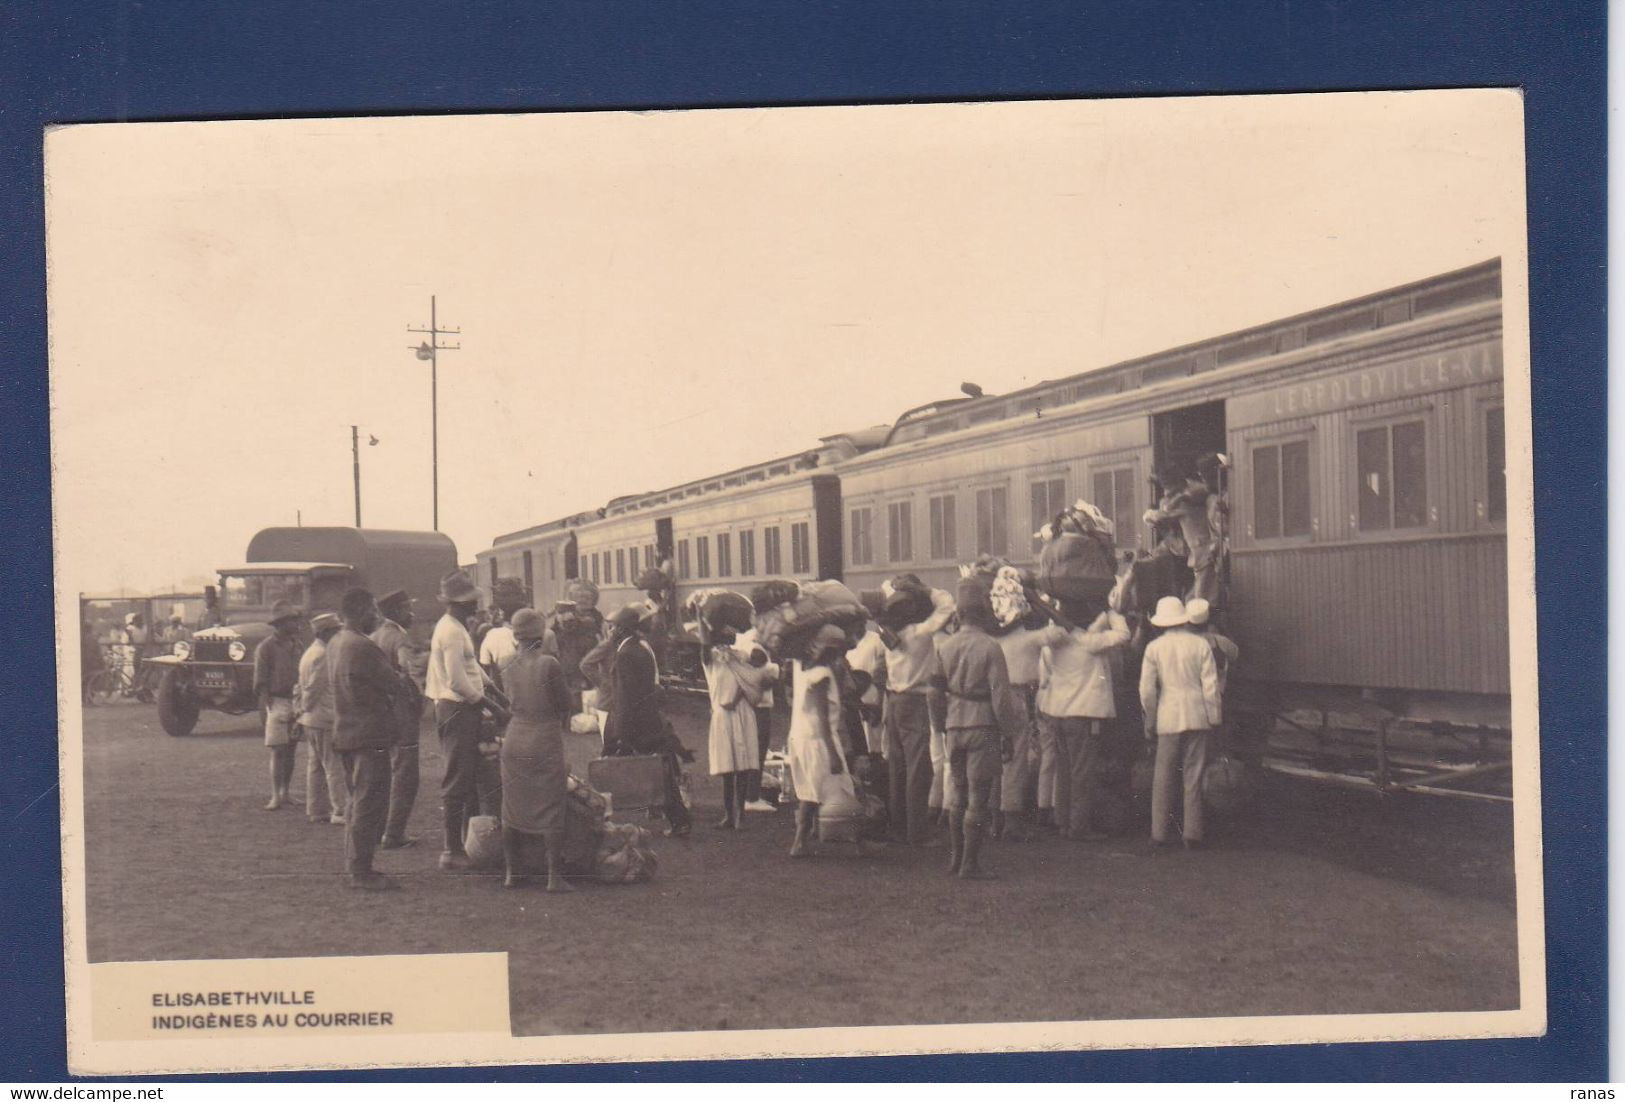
x: 115, y: 680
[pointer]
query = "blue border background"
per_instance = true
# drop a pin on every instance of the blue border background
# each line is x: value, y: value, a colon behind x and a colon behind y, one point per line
x: 81, y: 60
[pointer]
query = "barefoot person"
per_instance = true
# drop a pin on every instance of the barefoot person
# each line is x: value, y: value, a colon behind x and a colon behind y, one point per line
x: 534, y: 774
x: 812, y: 746
x: 366, y: 694
x: 734, y: 685
x: 276, y: 676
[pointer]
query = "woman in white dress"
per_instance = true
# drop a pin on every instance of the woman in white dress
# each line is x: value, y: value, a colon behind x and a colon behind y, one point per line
x: 817, y: 764
x: 735, y: 686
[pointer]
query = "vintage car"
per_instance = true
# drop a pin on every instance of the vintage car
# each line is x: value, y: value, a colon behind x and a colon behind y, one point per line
x: 309, y: 568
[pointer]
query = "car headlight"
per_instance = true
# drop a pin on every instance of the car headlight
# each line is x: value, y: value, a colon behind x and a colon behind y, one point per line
x: 237, y: 650
x: 182, y: 649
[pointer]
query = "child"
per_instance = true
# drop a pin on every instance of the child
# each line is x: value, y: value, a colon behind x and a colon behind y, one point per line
x: 812, y: 746
x: 1179, y: 690
x: 735, y: 686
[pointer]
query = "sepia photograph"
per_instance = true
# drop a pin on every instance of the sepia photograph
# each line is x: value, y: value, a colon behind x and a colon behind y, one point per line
x: 632, y: 585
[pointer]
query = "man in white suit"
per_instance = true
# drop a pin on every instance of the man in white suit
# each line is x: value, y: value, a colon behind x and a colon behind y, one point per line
x: 1179, y: 691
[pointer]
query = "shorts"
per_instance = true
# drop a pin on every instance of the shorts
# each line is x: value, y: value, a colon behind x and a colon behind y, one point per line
x: 982, y: 754
x: 279, y: 719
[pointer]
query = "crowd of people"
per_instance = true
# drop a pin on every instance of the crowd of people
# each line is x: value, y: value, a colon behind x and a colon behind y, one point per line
x: 959, y: 723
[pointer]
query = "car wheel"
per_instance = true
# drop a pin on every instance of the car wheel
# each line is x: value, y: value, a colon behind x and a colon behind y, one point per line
x: 177, y: 711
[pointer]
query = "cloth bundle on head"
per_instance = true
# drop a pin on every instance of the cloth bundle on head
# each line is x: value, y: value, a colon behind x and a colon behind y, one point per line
x: 653, y: 581
x: 773, y: 594
x: 717, y: 608
x: 1079, y: 562
x: 784, y: 630
x: 322, y: 621
x: 907, y: 601
x: 1008, y: 594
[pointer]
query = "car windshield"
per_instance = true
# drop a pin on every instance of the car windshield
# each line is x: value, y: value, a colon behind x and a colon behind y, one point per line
x: 264, y: 590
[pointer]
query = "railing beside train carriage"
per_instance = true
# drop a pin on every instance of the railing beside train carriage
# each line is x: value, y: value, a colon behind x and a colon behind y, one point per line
x: 1371, y: 750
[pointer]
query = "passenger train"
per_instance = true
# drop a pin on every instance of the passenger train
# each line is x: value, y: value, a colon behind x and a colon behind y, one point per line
x: 1367, y: 486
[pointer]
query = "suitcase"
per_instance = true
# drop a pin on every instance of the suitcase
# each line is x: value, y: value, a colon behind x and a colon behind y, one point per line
x: 634, y: 783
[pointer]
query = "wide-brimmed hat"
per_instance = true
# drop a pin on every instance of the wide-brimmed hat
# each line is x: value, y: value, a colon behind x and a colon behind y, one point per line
x: 281, y: 611
x: 395, y: 598
x: 324, y: 620
x: 1197, y: 611
x: 528, y: 625
x: 1170, y: 613
x: 457, y: 587
x: 631, y: 615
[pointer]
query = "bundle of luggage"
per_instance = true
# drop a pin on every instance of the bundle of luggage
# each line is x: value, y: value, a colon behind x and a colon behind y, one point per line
x: 788, y: 615
x: 1079, y: 560
x: 777, y: 787
x: 625, y: 855
x: 653, y: 581
x: 717, y: 609
x: 905, y: 600
x: 1007, y: 588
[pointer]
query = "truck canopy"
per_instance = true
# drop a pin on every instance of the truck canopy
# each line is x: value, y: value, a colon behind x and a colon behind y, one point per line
x: 383, y: 559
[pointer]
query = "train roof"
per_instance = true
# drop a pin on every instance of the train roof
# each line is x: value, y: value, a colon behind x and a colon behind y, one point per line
x: 1390, y: 307
x: 574, y: 520
x: 1393, y: 306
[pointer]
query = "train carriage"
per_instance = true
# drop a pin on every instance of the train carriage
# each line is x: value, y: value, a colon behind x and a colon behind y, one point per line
x: 1367, y: 567
x: 1368, y: 492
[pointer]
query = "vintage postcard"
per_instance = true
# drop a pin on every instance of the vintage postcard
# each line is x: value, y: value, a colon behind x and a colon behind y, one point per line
x: 795, y: 582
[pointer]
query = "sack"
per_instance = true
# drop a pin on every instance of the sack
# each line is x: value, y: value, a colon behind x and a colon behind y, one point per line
x: 584, y: 723
x: 1079, y: 568
x: 770, y: 595
x: 625, y: 856
x: 841, y: 815
x: 634, y: 783
x: 482, y: 841
x: 727, y: 610
x: 1227, y: 785
x: 785, y: 630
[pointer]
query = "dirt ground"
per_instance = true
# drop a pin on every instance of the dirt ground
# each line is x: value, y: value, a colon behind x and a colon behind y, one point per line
x: 1311, y: 902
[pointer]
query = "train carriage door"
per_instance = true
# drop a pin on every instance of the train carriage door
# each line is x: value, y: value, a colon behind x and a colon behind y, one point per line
x: 664, y: 543
x: 1181, y: 437
x: 830, y: 543
x: 572, y: 558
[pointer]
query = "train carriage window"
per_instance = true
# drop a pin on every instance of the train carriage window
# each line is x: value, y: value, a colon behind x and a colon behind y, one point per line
x: 747, y: 553
x: 725, y: 566
x: 1281, y: 506
x: 863, y: 537
x: 493, y: 561
x: 1392, y: 472
x: 1495, y: 465
x: 620, y: 566
x: 770, y: 550
x: 552, y: 564
x: 648, y: 556
x: 900, y: 531
x: 682, y: 560
x: 993, y: 521
x: 1114, y: 496
x: 702, y: 555
x: 943, y: 522
x: 800, y: 549
x: 1048, y: 498
x: 530, y: 577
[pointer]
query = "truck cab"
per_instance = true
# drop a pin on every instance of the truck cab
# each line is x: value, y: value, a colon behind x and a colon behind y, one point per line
x: 215, y: 669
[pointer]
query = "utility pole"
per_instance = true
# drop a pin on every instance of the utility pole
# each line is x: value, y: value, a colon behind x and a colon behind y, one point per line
x: 355, y: 460
x: 427, y: 351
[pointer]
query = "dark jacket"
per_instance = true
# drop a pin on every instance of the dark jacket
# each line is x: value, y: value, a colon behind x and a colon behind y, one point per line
x: 634, y: 715
x: 366, y: 691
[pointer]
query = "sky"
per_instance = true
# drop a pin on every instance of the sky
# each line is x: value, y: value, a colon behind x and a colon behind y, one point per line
x: 649, y: 297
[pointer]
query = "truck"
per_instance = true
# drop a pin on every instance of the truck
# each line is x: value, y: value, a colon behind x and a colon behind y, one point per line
x: 309, y: 568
